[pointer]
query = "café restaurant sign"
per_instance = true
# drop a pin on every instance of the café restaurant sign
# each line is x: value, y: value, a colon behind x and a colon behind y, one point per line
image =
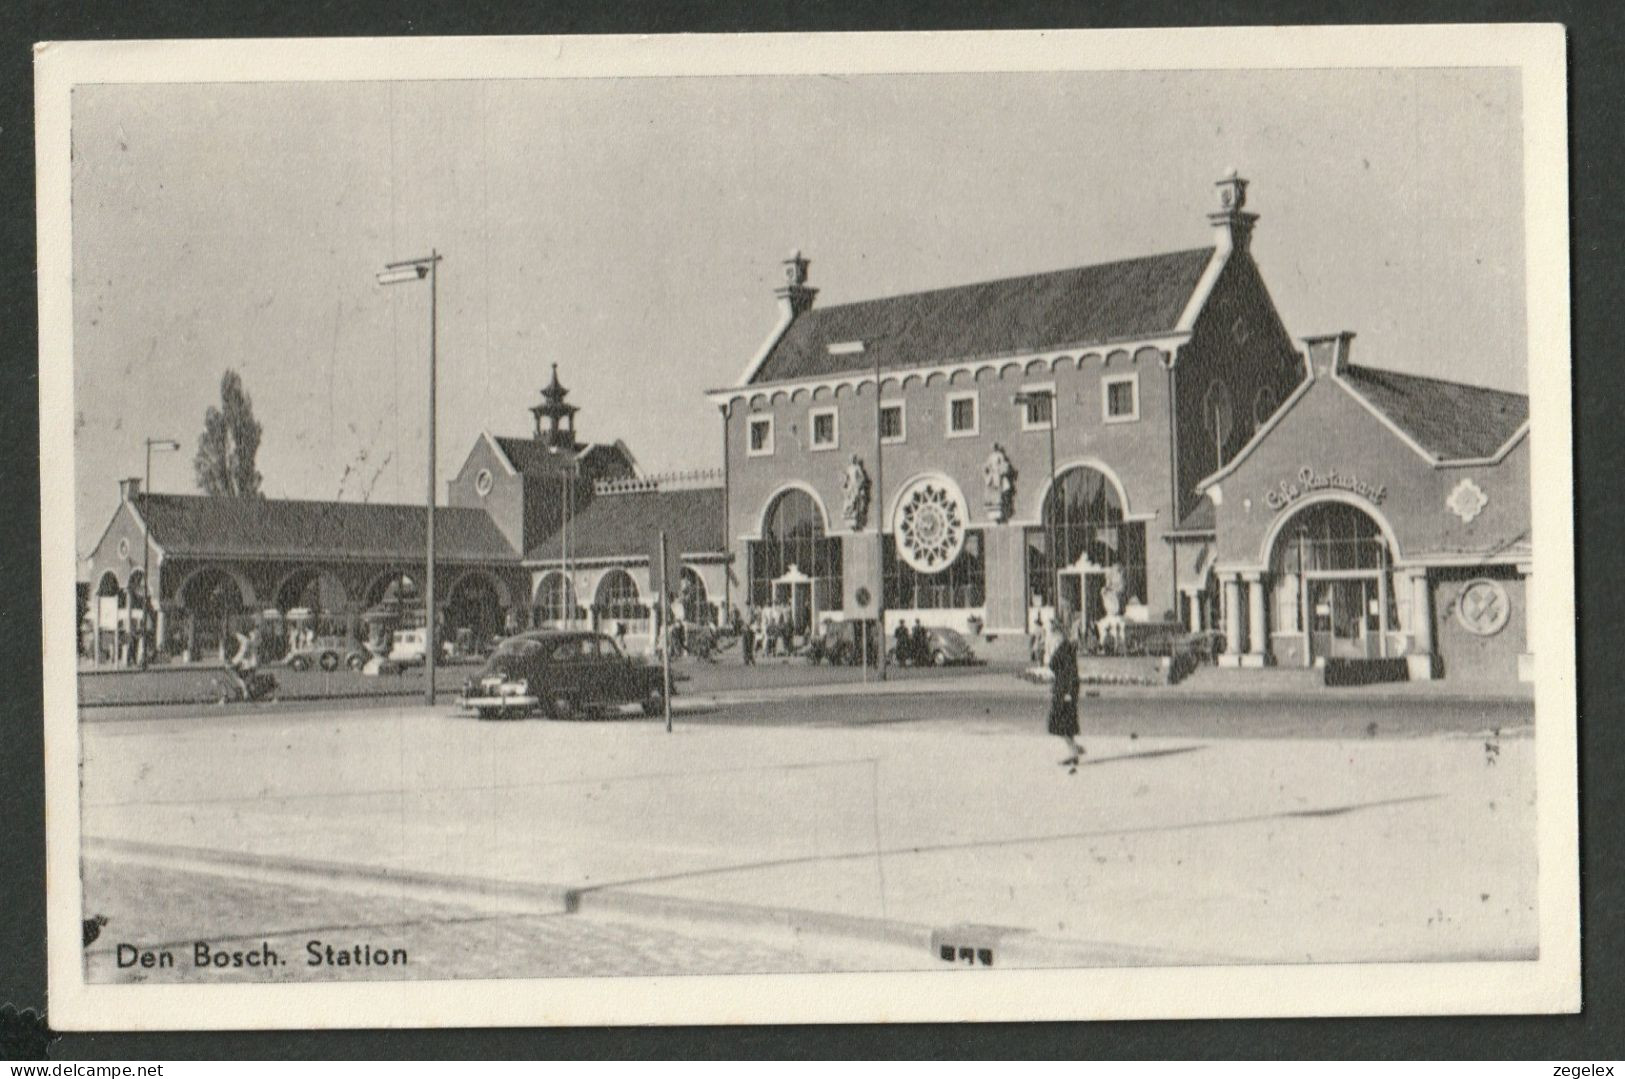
x: 1308, y: 481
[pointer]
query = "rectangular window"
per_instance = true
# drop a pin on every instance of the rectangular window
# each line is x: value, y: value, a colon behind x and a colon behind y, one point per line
x: 760, y: 438
x: 1121, y: 394
x: 891, y: 422
x: 826, y: 433
x: 1037, y: 409
x: 962, y: 418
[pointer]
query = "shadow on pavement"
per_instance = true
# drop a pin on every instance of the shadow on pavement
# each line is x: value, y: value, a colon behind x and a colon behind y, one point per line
x: 1007, y: 841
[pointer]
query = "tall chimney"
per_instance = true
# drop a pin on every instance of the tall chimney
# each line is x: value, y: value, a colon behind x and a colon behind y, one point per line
x: 1329, y: 353
x: 795, y: 296
x: 1231, y: 222
x: 129, y: 490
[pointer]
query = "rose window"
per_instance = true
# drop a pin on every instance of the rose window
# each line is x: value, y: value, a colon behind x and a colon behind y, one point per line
x: 931, y: 526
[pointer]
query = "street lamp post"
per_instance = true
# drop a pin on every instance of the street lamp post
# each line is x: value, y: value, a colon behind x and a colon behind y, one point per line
x: 880, y: 531
x: 146, y: 543
x: 1028, y: 398
x: 396, y: 273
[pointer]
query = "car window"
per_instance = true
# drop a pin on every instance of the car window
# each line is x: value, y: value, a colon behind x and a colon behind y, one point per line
x: 567, y: 650
x: 607, y: 649
x: 519, y: 646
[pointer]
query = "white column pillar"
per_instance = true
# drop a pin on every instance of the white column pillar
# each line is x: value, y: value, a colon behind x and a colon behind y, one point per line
x: 1421, y: 611
x: 1232, y: 621
x: 1257, y: 633
x: 96, y: 631
x: 1419, y: 659
x: 1193, y: 612
x: 1526, y: 658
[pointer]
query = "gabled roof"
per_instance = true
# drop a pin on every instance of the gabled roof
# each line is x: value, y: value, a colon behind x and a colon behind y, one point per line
x: 627, y: 525
x: 1450, y: 420
x: 533, y: 457
x: 1113, y: 301
x: 196, y: 525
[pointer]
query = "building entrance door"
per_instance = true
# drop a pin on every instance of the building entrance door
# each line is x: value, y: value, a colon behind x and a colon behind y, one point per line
x: 1081, y: 594
x: 1345, y: 617
x: 793, y: 594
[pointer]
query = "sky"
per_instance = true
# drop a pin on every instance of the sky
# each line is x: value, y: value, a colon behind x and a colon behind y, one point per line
x: 631, y: 231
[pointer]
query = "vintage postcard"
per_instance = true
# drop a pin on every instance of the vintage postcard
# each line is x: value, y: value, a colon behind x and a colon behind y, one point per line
x: 826, y: 528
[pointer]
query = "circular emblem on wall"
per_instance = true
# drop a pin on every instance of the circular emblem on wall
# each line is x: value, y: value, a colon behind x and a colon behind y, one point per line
x: 1483, y: 607
x: 862, y: 596
x: 931, y: 525
x: 124, y: 547
x: 482, y: 482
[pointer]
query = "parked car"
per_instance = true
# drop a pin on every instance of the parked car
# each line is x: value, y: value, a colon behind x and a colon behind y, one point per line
x: 562, y: 673
x: 944, y: 646
x: 329, y: 653
x: 406, y: 647
x: 841, y: 643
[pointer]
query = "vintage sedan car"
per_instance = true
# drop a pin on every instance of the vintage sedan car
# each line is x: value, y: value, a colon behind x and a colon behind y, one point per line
x: 563, y: 674
x: 944, y: 646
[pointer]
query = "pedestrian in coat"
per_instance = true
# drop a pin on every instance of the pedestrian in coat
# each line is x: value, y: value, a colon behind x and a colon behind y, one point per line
x: 1063, y: 705
x: 901, y: 637
x: 747, y: 643
x: 920, y: 645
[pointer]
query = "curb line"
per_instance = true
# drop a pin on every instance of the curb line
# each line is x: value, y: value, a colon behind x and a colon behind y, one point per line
x: 1016, y: 947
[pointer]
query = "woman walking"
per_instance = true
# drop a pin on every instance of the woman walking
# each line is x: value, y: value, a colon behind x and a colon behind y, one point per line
x: 1063, y: 707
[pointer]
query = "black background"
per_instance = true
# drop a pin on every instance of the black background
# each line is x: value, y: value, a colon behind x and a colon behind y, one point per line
x: 1596, y: 96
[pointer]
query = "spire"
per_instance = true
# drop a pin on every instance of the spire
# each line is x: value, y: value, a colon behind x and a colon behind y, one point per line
x: 555, y: 411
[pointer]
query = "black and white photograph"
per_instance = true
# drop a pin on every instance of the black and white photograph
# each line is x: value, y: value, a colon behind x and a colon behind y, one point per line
x: 808, y: 528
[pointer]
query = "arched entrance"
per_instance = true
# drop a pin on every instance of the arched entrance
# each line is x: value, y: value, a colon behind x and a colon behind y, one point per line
x: 473, y: 612
x: 215, y: 610
x: 795, y: 567
x: 1086, y: 550
x: 1331, y: 581
x: 106, y: 615
x: 313, y: 603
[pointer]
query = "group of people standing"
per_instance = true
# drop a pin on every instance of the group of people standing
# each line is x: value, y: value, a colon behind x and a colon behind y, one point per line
x: 912, y: 646
x: 772, y: 631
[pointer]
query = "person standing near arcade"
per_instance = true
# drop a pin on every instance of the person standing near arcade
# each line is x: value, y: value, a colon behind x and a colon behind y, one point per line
x: 1063, y: 707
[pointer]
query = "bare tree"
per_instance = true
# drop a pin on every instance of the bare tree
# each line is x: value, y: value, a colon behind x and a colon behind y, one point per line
x: 229, y: 443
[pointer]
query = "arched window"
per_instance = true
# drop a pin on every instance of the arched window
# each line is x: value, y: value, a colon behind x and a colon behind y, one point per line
x: 618, y: 598
x: 1329, y: 536
x: 555, y: 601
x: 793, y: 535
x: 1083, y: 519
x: 696, y: 607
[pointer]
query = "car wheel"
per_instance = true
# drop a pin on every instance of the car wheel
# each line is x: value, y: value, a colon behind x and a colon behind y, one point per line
x: 355, y: 661
x: 486, y: 713
x: 939, y: 658
x: 299, y: 663
x: 654, y: 704
x: 330, y: 661
x: 564, y: 707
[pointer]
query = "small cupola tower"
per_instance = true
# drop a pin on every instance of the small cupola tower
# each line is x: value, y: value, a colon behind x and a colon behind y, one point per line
x: 795, y: 296
x: 1231, y: 221
x: 556, y: 412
